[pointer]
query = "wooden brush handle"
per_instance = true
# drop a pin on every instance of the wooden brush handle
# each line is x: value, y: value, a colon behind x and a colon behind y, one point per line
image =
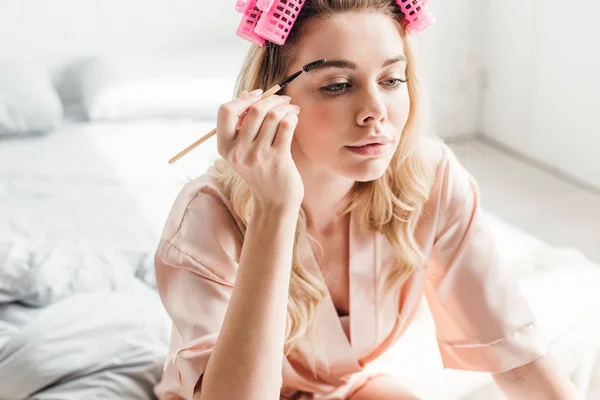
x: 193, y: 146
x: 210, y: 134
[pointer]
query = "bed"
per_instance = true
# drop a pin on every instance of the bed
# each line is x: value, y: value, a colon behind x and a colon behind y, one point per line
x: 82, y: 210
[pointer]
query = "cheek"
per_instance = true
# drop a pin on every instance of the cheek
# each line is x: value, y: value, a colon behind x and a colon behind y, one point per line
x: 319, y: 116
x: 317, y: 127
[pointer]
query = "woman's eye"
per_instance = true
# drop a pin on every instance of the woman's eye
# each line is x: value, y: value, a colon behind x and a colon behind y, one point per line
x: 396, y: 82
x: 339, y: 87
x: 335, y: 88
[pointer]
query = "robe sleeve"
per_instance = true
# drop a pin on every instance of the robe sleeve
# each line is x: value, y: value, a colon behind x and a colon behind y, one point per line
x: 483, y: 321
x: 195, y: 264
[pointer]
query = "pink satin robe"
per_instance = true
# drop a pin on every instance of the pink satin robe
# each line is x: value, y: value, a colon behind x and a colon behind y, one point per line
x: 483, y: 323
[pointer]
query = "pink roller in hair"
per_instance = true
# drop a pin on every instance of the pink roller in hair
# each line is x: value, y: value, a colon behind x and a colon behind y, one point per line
x: 267, y: 19
x: 251, y: 16
x: 278, y: 19
x: 417, y: 14
x: 273, y: 20
x: 264, y: 5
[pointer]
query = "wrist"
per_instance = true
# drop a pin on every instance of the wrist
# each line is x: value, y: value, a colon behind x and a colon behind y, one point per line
x: 263, y: 207
x: 275, y: 215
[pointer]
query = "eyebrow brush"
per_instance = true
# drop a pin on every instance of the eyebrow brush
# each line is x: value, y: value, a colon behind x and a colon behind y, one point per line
x: 307, y: 68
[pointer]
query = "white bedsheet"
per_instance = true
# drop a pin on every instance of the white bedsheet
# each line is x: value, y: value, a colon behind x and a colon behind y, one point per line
x: 99, y: 345
x: 107, y: 183
x: 80, y: 214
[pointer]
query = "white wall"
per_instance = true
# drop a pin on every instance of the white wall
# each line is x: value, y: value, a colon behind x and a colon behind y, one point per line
x: 542, y: 96
x: 59, y: 29
x: 60, y: 32
x: 453, y: 66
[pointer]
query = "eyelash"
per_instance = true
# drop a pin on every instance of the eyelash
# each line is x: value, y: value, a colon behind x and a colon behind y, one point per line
x: 327, y: 89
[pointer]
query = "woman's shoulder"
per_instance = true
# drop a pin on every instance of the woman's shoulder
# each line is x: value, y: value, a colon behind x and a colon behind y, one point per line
x: 443, y: 161
x: 201, y: 233
x: 436, y: 152
x: 202, y: 203
x: 451, y: 185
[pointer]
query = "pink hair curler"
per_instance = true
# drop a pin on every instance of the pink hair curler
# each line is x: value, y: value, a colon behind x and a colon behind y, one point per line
x: 264, y: 5
x: 278, y: 19
x: 250, y: 18
x: 417, y: 14
x: 241, y: 5
x: 273, y: 20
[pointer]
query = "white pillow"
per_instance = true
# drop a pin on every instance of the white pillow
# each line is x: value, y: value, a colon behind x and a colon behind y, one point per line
x: 160, y: 86
x: 29, y: 103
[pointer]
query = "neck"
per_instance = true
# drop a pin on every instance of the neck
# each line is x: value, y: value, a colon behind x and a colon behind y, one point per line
x: 321, y: 201
x: 323, y: 193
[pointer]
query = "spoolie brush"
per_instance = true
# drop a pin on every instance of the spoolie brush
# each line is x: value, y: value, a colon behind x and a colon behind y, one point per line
x: 307, y: 68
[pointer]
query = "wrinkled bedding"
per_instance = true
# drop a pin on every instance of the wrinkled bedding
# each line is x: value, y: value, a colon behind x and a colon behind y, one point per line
x: 81, y: 212
x: 102, y: 344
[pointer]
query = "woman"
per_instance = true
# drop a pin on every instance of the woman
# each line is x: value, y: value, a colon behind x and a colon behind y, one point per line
x: 303, y: 255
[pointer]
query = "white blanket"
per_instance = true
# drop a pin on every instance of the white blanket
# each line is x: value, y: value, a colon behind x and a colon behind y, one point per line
x: 81, y: 211
x: 87, y: 346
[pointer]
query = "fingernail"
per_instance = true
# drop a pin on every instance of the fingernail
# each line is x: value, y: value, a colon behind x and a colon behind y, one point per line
x: 288, y: 98
x: 256, y: 92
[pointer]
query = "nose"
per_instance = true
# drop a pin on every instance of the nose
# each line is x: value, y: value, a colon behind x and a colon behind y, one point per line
x: 373, y: 110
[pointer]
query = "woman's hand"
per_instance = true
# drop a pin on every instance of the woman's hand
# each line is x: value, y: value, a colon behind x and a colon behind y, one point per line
x: 260, y: 151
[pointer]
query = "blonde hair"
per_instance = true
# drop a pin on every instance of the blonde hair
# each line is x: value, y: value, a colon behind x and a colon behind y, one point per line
x: 390, y: 205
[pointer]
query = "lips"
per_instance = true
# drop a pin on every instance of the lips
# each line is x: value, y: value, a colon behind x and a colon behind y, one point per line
x: 374, y: 149
x: 372, y: 140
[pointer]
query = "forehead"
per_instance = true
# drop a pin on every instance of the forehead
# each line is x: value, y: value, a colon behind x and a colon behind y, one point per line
x: 361, y: 37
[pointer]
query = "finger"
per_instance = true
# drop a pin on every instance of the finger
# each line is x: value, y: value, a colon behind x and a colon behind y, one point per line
x: 270, y: 125
x: 285, y: 133
x: 230, y: 112
x: 256, y: 115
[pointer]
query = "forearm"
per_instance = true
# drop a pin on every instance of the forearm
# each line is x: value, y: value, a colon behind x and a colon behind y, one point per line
x: 247, y: 360
x: 539, y: 380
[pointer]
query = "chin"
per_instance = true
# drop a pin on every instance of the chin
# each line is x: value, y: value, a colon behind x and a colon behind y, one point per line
x: 367, y: 171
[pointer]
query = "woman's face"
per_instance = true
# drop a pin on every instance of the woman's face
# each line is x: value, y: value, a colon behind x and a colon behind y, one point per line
x: 359, y: 100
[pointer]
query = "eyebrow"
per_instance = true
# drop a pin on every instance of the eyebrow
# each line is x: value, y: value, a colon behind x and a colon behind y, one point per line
x: 347, y: 64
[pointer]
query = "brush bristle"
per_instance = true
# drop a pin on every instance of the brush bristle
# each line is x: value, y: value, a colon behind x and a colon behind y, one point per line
x: 315, y: 64
x: 308, y: 67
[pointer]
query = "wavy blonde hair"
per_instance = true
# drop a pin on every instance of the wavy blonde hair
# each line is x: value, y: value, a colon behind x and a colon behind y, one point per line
x: 390, y: 205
